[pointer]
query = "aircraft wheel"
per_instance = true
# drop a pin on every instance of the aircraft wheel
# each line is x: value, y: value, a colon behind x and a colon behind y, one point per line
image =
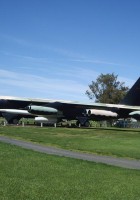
x: 78, y: 124
x: 15, y: 121
x: 87, y: 124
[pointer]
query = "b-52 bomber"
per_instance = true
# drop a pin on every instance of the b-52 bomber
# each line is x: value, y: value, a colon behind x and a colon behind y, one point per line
x: 53, y: 111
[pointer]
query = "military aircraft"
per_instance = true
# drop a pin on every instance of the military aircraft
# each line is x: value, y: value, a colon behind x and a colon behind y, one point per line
x: 14, y: 108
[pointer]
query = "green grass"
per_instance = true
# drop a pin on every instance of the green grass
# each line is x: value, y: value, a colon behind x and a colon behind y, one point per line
x: 28, y: 175
x: 116, y: 142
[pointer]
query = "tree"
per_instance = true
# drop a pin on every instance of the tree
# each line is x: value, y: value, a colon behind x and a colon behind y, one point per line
x: 107, y: 89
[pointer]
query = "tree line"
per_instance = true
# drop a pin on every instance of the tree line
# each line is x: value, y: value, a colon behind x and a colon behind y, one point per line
x: 107, y: 89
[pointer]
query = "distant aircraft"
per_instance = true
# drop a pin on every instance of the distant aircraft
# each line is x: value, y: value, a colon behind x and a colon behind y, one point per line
x: 13, y: 108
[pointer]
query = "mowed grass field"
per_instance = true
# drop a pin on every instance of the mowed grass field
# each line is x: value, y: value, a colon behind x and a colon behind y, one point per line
x: 113, y: 141
x: 29, y: 175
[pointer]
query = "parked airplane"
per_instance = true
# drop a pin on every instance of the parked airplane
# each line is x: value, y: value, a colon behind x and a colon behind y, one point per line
x: 13, y: 108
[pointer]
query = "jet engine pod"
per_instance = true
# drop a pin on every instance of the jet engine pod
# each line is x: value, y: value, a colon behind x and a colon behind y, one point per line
x: 135, y: 115
x: 42, y: 110
x: 96, y: 112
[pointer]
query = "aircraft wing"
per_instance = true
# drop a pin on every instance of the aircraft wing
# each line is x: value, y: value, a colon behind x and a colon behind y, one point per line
x: 64, y: 109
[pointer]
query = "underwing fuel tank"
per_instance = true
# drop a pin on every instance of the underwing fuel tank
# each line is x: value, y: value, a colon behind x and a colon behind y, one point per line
x: 46, y: 120
x: 42, y: 110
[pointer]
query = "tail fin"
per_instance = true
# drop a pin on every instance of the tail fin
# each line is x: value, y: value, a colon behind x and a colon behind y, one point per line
x: 133, y: 96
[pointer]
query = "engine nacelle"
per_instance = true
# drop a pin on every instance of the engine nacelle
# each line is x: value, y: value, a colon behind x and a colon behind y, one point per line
x: 135, y: 115
x: 102, y: 113
x: 42, y: 110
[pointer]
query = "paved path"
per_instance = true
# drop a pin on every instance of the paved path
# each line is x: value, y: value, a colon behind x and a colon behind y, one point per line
x: 121, y: 162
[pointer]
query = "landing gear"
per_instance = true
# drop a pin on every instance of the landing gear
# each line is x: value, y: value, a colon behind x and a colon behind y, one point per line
x: 78, y: 124
x: 87, y: 124
x: 14, y: 121
x: 83, y: 121
x: 11, y: 118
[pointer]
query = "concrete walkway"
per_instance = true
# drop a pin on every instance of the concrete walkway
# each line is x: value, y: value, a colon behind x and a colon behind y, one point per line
x: 120, y: 162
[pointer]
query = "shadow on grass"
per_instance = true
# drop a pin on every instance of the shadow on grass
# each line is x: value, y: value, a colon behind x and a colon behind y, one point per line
x: 112, y: 129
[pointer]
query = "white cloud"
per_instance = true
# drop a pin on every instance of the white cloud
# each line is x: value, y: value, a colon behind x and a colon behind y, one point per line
x: 16, y: 40
x: 73, y: 87
x: 37, y: 84
x: 97, y: 62
x: 128, y: 82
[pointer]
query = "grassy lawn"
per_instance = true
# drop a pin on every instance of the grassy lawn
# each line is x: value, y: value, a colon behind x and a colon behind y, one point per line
x: 28, y: 175
x: 116, y: 142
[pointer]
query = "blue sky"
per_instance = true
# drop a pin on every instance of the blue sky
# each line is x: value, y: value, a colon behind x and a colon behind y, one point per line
x: 55, y: 48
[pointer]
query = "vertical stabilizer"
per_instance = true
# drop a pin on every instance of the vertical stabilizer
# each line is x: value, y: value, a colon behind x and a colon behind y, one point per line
x: 132, y: 98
